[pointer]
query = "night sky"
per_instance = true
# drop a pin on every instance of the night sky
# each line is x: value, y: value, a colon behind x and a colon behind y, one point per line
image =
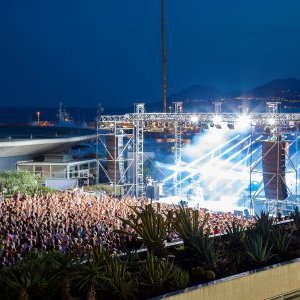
x: 85, y: 52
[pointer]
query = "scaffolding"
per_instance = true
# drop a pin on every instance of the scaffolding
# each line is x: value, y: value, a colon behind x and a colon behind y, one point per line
x: 139, y: 149
x: 132, y: 127
x: 281, y: 137
x: 116, y: 139
x: 177, y: 149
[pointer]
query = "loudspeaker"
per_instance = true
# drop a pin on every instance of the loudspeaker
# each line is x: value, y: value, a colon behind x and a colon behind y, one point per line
x: 273, y: 166
x: 113, y: 165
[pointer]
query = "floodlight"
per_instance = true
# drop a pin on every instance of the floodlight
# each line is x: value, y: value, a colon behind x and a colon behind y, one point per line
x: 271, y: 121
x: 243, y: 122
x: 217, y: 119
x: 194, y: 119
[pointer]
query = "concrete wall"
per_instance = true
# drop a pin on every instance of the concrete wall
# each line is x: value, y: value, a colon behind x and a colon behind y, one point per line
x: 263, y: 284
x: 9, y: 163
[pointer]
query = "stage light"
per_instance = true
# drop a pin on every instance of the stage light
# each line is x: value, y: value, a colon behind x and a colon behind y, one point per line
x: 243, y: 122
x: 230, y: 126
x: 194, y: 119
x: 271, y: 121
x: 218, y: 126
x: 268, y: 130
x: 217, y: 119
x: 205, y: 126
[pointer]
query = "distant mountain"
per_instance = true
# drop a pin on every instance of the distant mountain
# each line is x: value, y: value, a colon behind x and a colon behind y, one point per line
x: 281, y: 88
x: 285, y: 88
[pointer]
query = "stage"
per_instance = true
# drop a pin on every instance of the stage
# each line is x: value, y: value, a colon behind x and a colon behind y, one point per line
x: 224, y: 204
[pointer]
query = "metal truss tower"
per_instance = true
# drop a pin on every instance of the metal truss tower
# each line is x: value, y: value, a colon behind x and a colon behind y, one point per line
x: 139, y: 149
x: 279, y: 136
x: 116, y: 140
x: 178, y: 107
x: 132, y: 127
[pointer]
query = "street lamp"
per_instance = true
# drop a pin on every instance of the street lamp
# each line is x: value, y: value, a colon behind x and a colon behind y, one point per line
x: 38, y: 117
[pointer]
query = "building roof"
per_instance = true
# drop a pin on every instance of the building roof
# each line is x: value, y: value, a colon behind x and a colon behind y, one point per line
x: 40, y: 146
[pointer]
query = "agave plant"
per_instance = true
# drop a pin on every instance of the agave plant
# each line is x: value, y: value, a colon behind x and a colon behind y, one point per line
x: 296, y: 217
x: 235, y: 233
x: 187, y: 223
x: 259, y: 250
x: 180, y: 278
x: 205, y: 248
x: 151, y: 226
x: 156, y: 273
x: 263, y: 224
x: 117, y: 281
x: 281, y: 241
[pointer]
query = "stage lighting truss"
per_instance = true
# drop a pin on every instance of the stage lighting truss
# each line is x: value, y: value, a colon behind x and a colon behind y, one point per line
x: 275, y: 134
x: 179, y: 122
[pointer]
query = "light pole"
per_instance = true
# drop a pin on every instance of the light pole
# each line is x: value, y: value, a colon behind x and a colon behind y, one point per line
x: 38, y: 117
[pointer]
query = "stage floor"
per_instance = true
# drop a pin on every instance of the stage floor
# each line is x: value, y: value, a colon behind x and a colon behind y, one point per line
x: 225, y: 204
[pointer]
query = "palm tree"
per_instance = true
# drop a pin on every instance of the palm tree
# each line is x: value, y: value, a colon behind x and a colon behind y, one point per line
x: 87, y: 276
x: 27, y: 277
x: 61, y: 267
x: 89, y: 273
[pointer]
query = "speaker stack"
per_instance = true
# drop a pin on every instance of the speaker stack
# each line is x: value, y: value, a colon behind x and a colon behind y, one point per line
x: 273, y: 166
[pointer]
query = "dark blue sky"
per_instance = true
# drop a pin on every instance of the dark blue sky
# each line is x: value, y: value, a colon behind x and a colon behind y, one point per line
x: 85, y: 52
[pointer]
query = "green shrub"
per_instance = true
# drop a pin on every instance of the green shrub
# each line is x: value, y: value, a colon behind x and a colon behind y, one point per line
x: 296, y: 217
x: 151, y: 226
x: 24, y: 182
x: 156, y: 274
x: 108, y: 189
x: 263, y: 225
x: 259, y: 250
x: 180, y: 278
x: 281, y: 241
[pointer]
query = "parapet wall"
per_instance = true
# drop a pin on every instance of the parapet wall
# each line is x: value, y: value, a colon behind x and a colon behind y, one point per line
x: 267, y: 283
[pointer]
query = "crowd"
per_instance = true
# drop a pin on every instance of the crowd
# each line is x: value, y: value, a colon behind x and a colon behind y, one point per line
x: 77, y: 221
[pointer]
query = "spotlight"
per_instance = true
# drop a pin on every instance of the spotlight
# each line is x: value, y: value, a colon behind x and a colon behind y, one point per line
x: 205, y: 126
x: 217, y: 119
x: 218, y: 126
x: 194, y: 119
x: 243, y: 122
x: 230, y: 125
x: 271, y: 121
x: 212, y: 124
x: 268, y: 130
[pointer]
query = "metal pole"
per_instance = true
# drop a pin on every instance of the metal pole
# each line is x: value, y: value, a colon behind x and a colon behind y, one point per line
x: 250, y: 177
x: 163, y: 56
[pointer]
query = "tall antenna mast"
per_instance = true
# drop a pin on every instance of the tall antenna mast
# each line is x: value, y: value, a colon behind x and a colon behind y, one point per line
x: 163, y: 55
